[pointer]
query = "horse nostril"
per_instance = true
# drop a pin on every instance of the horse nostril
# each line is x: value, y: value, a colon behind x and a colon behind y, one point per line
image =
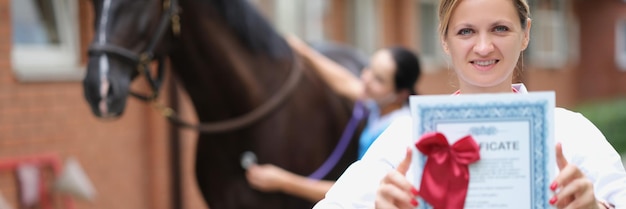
x: 110, y: 91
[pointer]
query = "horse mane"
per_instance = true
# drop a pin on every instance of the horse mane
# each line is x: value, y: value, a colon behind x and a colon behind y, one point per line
x: 251, y: 28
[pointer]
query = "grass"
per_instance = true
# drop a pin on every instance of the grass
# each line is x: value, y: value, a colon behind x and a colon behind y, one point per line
x: 610, y: 118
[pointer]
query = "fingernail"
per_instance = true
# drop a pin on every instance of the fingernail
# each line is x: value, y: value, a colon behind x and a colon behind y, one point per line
x: 414, y: 191
x: 553, y: 186
x: 414, y: 202
x: 553, y: 200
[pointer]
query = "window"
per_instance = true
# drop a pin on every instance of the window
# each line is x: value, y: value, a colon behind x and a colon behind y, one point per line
x: 428, y: 30
x: 45, y: 40
x: 620, y: 44
x: 553, y: 38
x: 303, y: 18
x: 308, y: 20
x: 364, y: 21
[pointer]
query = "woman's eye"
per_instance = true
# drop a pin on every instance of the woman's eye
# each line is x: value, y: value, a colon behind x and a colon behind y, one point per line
x: 501, y: 28
x: 465, y: 31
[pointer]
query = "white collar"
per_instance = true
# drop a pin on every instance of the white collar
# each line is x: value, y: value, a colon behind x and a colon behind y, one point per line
x: 517, y: 88
x: 520, y: 87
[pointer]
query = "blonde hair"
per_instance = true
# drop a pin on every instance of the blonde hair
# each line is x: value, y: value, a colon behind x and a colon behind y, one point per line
x: 447, y: 6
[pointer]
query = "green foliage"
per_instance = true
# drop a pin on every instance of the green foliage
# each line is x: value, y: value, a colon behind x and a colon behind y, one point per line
x: 610, y: 118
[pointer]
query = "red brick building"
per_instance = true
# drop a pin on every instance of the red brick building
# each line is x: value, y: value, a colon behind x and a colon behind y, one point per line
x: 45, y: 112
x: 578, y: 49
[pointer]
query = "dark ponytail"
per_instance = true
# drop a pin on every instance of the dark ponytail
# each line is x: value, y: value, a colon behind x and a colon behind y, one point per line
x: 408, y: 68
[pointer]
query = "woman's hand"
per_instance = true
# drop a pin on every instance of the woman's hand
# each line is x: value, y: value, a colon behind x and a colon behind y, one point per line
x: 573, y: 189
x: 395, y: 190
x: 266, y: 178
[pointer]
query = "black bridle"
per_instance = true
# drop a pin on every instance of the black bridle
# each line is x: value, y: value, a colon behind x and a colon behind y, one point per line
x: 142, y: 60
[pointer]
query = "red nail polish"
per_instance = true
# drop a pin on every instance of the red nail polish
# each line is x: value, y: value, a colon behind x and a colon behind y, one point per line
x: 553, y: 200
x: 553, y: 186
x: 414, y: 191
x: 414, y: 202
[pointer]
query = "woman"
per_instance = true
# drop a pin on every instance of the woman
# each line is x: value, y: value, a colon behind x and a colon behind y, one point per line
x: 384, y: 87
x: 484, y: 40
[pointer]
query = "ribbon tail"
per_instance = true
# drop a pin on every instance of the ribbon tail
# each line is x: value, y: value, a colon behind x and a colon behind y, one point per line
x: 457, y: 190
x: 435, y: 184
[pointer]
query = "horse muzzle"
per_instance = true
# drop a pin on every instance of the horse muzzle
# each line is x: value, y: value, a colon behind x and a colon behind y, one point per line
x: 106, y: 90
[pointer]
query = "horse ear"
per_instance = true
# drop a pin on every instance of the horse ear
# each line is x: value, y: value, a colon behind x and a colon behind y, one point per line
x: 74, y: 181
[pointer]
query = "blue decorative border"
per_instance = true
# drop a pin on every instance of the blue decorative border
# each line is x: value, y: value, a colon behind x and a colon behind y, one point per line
x: 533, y: 112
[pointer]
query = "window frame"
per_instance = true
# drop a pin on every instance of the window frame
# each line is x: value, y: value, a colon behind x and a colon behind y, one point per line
x: 434, y: 60
x: 620, y: 44
x: 365, y: 23
x: 306, y: 19
x: 303, y: 18
x: 565, y: 36
x: 35, y: 63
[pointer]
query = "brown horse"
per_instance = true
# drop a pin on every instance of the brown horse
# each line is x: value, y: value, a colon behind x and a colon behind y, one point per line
x: 231, y: 63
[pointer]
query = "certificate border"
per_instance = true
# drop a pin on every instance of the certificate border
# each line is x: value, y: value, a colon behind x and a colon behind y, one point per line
x: 534, y: 112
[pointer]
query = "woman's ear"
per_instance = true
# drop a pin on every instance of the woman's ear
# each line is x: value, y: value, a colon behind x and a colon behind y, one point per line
x: 444, y: 45
x: 442, y: 40
x: 526, y: 40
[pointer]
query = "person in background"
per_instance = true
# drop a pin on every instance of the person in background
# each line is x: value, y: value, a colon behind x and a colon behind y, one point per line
x: 384, y: 87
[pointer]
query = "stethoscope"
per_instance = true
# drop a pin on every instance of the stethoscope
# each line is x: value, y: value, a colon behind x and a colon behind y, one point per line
x: 248, y: 158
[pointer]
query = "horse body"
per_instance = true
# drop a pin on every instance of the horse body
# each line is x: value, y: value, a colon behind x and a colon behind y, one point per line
x: 237, y: 80
x: 229, y: 68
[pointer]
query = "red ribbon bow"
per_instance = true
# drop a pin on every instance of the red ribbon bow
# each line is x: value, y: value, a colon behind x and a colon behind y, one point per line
x: 446, y: 174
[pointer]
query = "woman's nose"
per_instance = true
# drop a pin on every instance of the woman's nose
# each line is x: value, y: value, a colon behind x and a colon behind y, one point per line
x: 484, y: 45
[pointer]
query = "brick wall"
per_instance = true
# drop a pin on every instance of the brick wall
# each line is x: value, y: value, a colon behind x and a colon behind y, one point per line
x: 126, y: 159
x: 599, y: 77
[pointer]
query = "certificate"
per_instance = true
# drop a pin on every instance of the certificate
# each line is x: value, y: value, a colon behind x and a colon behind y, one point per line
x: 515, y: 135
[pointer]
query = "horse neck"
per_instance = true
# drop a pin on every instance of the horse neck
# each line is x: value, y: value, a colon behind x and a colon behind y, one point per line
x: 222, y: 76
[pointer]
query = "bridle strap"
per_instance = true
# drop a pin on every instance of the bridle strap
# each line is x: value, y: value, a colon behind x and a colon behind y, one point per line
x: 155, y: 83
x: 114, y: 50
x: 167, y: 18
x: 250, y: 117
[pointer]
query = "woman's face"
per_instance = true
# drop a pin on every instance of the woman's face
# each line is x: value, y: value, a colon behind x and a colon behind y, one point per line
x: 378, y: 78
x: 484, y: 41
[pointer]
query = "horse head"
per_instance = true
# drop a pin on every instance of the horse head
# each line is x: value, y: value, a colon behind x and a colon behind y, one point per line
x: 128, y: 37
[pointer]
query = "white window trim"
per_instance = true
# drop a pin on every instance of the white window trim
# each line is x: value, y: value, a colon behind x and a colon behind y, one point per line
x: 558, y: 57
x: 46, y: 63
x: 620, y: 42
x: 303, y: 18
x: 431, y: 62
x: 364, y: 33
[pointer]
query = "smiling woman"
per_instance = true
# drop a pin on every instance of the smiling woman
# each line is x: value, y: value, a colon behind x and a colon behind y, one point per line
x: 45, y: 40
x: 483, y: 52
x: 484, y: 40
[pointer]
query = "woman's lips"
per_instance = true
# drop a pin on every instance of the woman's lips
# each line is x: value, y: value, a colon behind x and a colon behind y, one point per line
x: 484, y: 65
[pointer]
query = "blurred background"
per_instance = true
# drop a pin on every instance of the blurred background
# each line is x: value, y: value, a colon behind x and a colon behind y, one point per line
x: 578, y: 49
